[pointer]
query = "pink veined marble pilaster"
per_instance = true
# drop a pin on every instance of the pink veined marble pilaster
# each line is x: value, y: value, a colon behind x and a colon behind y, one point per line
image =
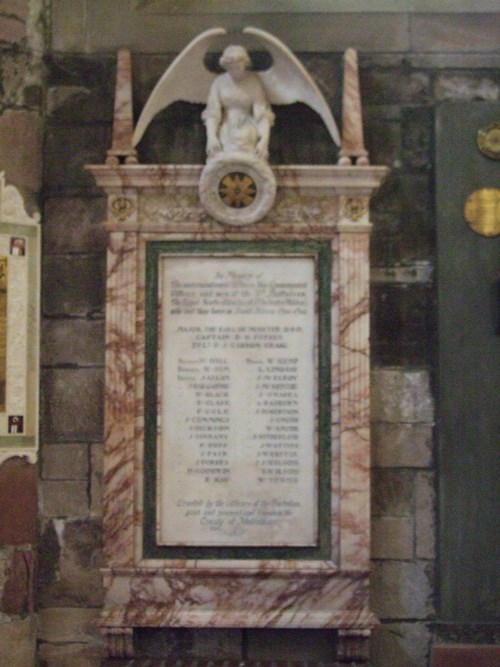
x: 119, y: 413
x: 354, y: 396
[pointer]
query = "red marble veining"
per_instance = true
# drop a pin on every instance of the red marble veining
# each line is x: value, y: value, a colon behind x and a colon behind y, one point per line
x: 167, y: 598
x: 120, y: 399
x: 354, y: 400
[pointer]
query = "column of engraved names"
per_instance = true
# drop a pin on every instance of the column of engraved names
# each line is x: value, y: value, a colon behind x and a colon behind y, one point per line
x: 277, y: 419
x: 208, y: 424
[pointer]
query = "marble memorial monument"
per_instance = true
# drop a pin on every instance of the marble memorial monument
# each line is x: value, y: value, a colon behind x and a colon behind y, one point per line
x: 236, y: 464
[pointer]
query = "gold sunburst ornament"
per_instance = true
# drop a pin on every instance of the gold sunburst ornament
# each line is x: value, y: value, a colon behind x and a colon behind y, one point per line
x: 237, y: 189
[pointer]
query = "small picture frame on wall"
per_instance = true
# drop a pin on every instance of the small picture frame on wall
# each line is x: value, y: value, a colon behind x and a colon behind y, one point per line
x: 17, y: 246
x: 16, y: 424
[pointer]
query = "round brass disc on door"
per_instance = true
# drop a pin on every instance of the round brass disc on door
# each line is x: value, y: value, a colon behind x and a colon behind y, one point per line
x: 482, y: 211
x: 488, y: 141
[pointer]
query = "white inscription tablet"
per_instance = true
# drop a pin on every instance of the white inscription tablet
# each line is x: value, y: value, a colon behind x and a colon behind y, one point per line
x: 238, y: 445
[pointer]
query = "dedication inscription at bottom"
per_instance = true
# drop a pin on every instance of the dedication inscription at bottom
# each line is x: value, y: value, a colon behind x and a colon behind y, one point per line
x: 238, y: 446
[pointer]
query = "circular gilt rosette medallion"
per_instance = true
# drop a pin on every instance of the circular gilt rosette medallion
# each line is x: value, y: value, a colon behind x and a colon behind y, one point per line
x: 237, y: 189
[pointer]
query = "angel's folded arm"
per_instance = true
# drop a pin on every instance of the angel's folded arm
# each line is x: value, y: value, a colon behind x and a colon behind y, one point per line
x: 262, y: 113
x: 213, y: 110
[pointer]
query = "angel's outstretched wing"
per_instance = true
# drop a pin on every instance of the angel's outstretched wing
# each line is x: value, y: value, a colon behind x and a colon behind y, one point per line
x: 287, y: 81
x: 186, y: 79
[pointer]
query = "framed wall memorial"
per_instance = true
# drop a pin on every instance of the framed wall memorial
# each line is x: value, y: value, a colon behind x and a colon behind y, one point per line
x: 19, y: 325
x: 243, y: 345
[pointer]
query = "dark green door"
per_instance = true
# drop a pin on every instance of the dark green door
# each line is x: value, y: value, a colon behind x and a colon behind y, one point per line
x: 468, y: 277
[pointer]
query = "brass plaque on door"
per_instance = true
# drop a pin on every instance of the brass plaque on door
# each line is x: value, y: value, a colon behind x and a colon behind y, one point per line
x: 482, y: 211
x: 488, y: 141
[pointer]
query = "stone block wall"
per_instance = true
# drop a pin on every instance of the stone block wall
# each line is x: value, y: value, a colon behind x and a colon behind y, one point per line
x: 403, y: 516
x: 69, y: 585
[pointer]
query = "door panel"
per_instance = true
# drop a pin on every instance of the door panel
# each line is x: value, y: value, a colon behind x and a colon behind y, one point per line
x: 468, y: 276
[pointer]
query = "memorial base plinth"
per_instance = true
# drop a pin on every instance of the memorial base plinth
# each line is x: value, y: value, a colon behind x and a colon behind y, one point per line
x: 162, y: 598
x: 119, y: 642
x: 353, y: 646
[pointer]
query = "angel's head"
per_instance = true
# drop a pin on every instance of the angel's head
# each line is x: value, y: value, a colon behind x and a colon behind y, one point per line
x: 235, y: 60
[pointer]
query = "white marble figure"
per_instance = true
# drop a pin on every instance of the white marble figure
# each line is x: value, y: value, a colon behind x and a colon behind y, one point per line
x: 238, y: 116
x: 239, y: 98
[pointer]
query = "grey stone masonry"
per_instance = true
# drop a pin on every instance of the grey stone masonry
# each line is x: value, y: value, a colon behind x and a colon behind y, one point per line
x: 400, y: 396
x: 65, y: 461
x: 72, y: 405
x: 74, y: 225
x: 393, y: 27
x: 402, y: 589
x: 69, y: 560
x: 403, y: 482
x: 397, y: 445
x: 405, y: 644
x: 403, y: 516
x: 73, y: 341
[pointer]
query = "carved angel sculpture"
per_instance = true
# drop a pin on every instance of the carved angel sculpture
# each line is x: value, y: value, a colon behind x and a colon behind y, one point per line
x: 238, y: 115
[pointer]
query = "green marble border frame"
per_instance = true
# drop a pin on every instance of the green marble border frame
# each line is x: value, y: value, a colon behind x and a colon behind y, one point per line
x: 321, y: 250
